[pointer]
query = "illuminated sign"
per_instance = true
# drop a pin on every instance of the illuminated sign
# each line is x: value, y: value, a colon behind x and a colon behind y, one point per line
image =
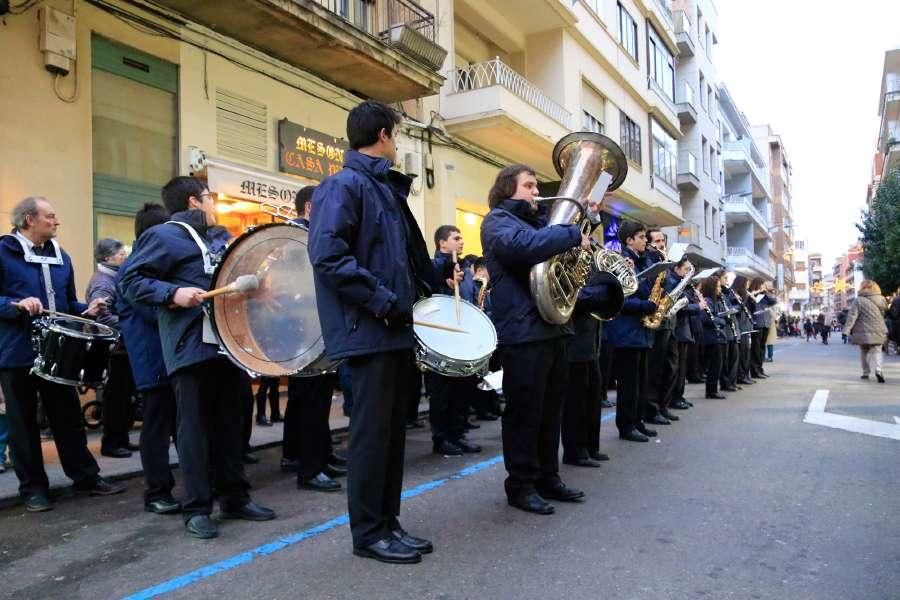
x: 307, y: 152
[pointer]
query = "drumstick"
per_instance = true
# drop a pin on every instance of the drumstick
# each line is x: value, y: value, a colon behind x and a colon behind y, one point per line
x: 439, y: 326
x: 55, y: 313
x: 241, y: 285
x: 456, y: 291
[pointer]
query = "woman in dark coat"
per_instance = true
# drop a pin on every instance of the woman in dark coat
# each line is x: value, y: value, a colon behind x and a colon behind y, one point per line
x: 713, y: 335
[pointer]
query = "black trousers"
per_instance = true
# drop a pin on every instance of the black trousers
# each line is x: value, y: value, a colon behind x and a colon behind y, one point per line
x: 581, y: 411
x: 757, y: 351
x: 730, y: 358
x: 117, y: 403
x: 381, y: 394
x: 606, y: 368
x: 696, y: 364
x: 307, y: 432
x: 63, y: 411
x: 157, y: 431
x: 744, y: 358
x: 712, y: 356
x: 246, y: 392
x: 684, y: 350
x: 414, y: 393
x: 534, y: 383
x: 448, y: 405
x: 662, y: 368
x: 268, y: 386
x: 630, y: 366
x: 210, y: 420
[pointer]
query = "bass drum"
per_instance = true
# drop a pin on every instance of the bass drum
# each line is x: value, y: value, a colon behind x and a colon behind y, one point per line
x: 274, y: 330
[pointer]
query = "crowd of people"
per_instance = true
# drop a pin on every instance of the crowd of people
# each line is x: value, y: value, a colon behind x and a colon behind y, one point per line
x: 371, y: 265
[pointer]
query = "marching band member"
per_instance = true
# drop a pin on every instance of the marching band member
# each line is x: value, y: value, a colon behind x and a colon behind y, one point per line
x: 684, y: 337
x: 369, y: 258
x: 170, y: 270
x: 714, y: 338
x: 746, y: 326
x: 728, y: 306
x: 37, y: 275
x: 763, y: 300
x: 531, y: 351
x: 632, y: 342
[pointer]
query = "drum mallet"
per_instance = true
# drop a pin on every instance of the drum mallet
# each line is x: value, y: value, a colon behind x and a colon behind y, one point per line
x: 241, y: 285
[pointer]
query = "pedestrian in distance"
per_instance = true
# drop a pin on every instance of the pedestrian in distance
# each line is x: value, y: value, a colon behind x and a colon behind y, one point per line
x: 866, y: 328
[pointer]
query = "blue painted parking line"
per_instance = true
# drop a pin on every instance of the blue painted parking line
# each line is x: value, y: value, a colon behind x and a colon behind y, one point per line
x: 280, y: 544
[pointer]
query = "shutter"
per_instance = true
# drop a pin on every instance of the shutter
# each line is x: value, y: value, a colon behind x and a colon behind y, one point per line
x: 241, y: 128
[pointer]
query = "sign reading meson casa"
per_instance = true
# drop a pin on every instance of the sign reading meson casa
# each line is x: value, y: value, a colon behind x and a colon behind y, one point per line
x: 307, y: 152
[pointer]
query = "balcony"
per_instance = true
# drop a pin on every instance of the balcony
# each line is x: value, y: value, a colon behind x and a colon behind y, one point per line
x: 745, y: 262
x: 739, y: 209
x: 683, y: 33
x: 382, y: 49
x: 685, y: 103
x: 493, y: 106
x: 689, y: 233
x: 687, y: 177
x: 508, y: 23
x: 742, y: 156
x: 890, y: 142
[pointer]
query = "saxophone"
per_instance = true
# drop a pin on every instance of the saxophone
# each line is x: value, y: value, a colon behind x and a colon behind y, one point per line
x: 664, y: 300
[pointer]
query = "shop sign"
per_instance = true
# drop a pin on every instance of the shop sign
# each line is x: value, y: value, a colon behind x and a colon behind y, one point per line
x: 307, y: 152
x: 249, y: 184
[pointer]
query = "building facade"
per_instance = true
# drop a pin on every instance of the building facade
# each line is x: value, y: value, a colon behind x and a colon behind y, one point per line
x: 847, y: 276
x: 889, y: 111
x: 816, y: 284
x: 799, y: 295
x: 746, y: 198
x: 782, y: 216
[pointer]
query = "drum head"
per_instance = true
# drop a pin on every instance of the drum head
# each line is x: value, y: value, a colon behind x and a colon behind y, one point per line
x: 275, y: 329
x: 77, y: 327
x: 480, y: 338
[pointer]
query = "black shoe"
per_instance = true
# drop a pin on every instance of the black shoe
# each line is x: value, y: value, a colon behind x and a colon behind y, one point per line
x: 716, y: 396
x: 263, y: 422
x: 202, y: 527
x: 116, y: 452
x: 421, y: 545
x: 599, y: 456
x: 607, y: 404
x: 289, y: 465
x: 336, y: 460
x: 729, y: 388
x: 695, y: 380
x: 320, y: 483
x: 487, y: 417
x: 645, y: 430
x: 532, y: 503
x: 746, y: 381
x: 100, y: 487
x: 561, y: 492
x: 634, y: 436
x: 879, y: 377
x: 667, y: 415
x: 37, y: 503
x: 133, y: 447
x: 467, y: 446
x: 335, y: 471
x: 390, y: 551
x: 762, y: 376
x: 583, y: 462
x: 163, y: 506
x: 415, y: 425
x: 249, y: 459
x: 248, y: 512
x: 446, y: 448
x: 680, y: 405
x: 689, y: 403
x: 277, y: 419
x: 469, y: 426
x: 657, y: 420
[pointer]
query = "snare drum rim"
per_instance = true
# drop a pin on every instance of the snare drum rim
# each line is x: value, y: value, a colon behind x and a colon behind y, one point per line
x: 51, y: 324
x: 487, y: 320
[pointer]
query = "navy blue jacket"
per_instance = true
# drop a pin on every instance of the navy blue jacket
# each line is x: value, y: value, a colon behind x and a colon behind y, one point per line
x: 19, y: 280
x: 368, y: 256
x: 712, y: 335
x: 167, y: 259
x: 515, y: 239
x: 140, y: 333
x: 683, y: 332
x: 626, y: 330
x: 585, y: 344
x: 443, y: 267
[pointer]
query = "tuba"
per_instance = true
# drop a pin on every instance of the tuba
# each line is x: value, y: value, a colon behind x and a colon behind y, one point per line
x: 580, y: 158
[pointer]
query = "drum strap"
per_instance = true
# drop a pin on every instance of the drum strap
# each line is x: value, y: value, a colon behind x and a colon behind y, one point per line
x: 208, y: 267
x: 45, y: 262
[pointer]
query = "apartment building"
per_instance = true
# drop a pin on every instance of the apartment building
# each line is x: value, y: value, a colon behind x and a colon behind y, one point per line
x: 889, y: 111
x: 816, y: 284
x: 782, y: 216
x: 700, y: 174
x: 847, y: 276
x: 518, y: 80
x: 746, y: 199
x: 799, y: 295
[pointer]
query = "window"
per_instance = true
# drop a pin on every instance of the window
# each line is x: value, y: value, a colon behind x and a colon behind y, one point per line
x: 662, y: 65
x: 628, y: 33
x: 706, y: 223
x: 663, y: 153
x: 701, y: 88
x: 594, y: 5
x: 704, y: 145
x: 709, y: 100
x: 714, y: 220
x: 591, y: 123
x: 700, y: 27
x: 712, y: 162
x: 708, y: 39
x: 630, y: 136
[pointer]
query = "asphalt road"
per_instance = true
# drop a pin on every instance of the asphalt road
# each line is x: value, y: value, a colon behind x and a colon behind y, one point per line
x: 740, y: 499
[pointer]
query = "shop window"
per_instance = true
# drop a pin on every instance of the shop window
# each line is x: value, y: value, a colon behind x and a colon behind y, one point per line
x: 469, y: 225
x: 134, y: 133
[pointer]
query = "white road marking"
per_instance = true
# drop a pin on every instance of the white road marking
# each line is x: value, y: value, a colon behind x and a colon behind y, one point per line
x: 816, y: 415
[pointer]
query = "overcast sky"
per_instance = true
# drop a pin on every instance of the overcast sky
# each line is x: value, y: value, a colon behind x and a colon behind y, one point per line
x: 812, y: 69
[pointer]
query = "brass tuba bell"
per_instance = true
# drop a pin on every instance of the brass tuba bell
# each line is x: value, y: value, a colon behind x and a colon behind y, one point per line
x: 580, y: 158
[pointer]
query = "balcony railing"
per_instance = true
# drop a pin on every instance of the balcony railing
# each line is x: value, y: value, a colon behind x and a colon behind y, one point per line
x: 738, y: 255
x: 687, y: 163
x: 685, y: 94
x: 495, y: 72
x: 379, y: 17
x: 743, y: 202
x: 689, y: 233
x: 745, y: 147
x: 665, y: 11
x: 681, y: 22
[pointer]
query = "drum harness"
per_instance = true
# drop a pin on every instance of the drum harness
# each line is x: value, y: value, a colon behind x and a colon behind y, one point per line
x: 209, y: 268
x: 45, y: 262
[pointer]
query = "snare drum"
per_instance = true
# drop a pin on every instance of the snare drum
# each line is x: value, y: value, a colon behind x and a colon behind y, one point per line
x: 449, y: 353
x: 274, y: 330
x: 72, y: 351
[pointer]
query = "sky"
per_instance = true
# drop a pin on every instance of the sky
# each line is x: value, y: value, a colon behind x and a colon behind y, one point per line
x: 812, y: 70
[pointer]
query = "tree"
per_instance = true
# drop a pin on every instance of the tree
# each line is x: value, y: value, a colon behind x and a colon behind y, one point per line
x: 880, y: 229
